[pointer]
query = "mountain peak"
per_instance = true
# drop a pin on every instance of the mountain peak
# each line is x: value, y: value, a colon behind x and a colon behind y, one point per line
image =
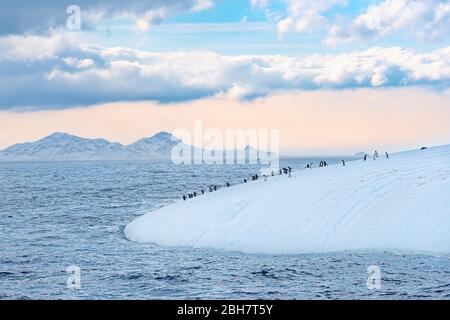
x: 58, y: 135
x: 160, y: 143
x: 161, y: 137
x: 164, y: 136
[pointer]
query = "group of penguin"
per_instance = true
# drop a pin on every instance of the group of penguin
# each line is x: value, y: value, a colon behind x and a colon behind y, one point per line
x: 212, y: 188
x: 281, y: 171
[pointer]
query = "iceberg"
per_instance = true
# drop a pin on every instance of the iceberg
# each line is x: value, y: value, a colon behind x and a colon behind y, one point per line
x: 401, y: 203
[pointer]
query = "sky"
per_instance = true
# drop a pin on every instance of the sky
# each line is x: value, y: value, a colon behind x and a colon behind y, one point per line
x: 333, y: 76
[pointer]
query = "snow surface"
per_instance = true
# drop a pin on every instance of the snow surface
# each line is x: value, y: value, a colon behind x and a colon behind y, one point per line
x: 400, y: 203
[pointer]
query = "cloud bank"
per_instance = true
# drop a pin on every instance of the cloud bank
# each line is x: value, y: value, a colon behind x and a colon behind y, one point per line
x: 427, y: 20
x: 420, y: 19
x: 58, y: 72
x: 307, y: 15
x: 25, y: 16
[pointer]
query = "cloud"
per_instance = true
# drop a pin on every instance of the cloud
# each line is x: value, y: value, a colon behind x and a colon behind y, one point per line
x: 259, y: 4
x: 59, y: 72
x: 24, y: 16
x: 418, y: 19
x: 307, y: 15
x: 34, y: 48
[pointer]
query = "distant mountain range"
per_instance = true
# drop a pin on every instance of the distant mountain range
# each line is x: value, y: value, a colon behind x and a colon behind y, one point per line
x: 63, y: 146
x: 66, y: 147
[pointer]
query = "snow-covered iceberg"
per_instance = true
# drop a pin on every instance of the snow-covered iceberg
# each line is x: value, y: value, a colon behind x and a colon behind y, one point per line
x: 402, y: 203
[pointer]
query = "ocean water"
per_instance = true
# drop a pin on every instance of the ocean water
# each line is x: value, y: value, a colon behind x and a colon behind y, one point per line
x: 59, y: 214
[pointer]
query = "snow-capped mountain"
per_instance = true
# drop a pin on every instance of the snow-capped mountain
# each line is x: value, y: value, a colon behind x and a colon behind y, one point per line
x: 63, y: 146
x: 161, y: 143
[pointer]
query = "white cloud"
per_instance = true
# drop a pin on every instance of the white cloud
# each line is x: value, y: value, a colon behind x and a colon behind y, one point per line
x: 31, y: 48
x: 259, y: 4
x: 71, y: 74
x: 24, y: 16
x: 419, y: 19
x: 306, y: 15
x: 200, y: 5
x: 155, y: 14
x: 79, y: 63
x: 150, y: 18
x: 285, y: 24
